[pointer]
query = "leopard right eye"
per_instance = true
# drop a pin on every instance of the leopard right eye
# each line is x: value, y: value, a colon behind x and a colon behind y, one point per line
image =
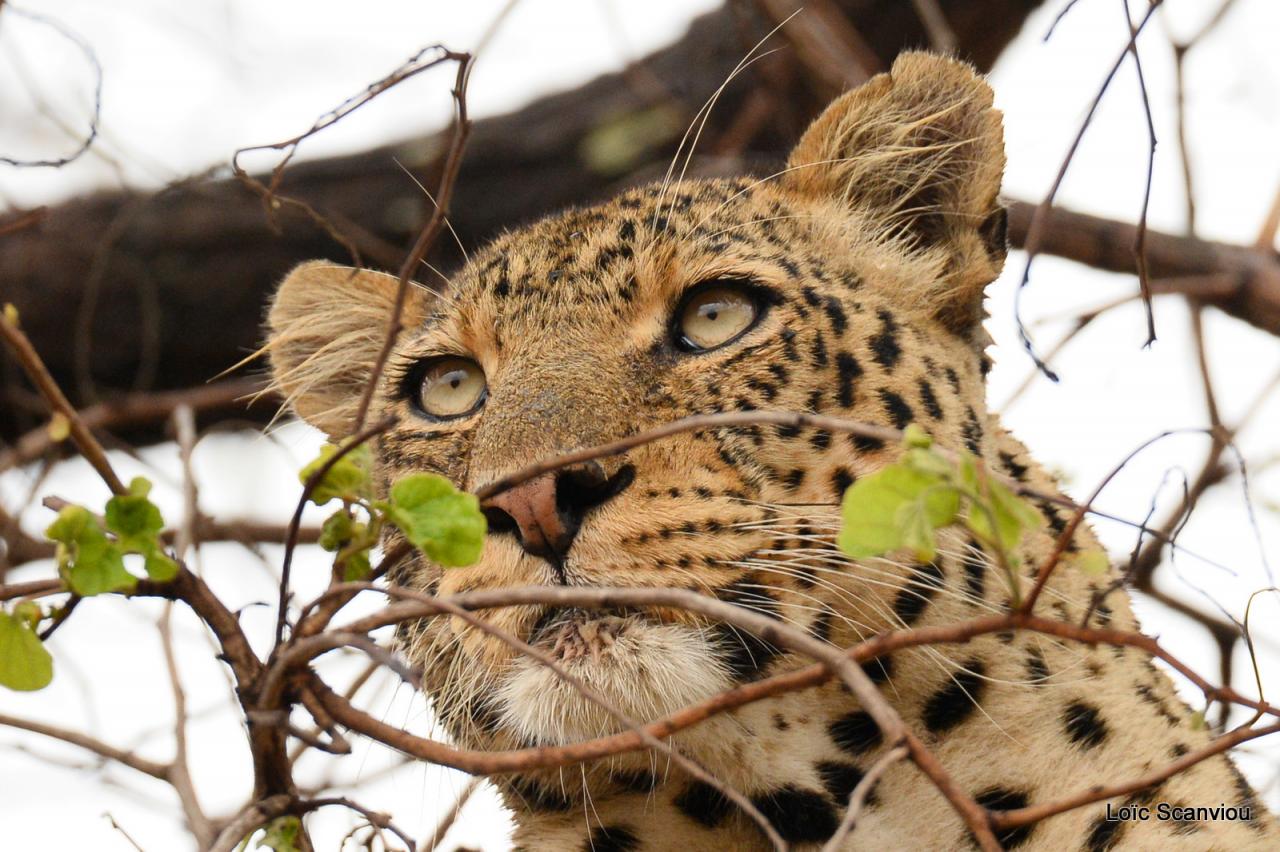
x: 451, y: 387
x: 714, y: 314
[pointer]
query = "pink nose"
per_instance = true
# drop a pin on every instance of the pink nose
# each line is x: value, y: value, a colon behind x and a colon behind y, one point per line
x: 546, y: 512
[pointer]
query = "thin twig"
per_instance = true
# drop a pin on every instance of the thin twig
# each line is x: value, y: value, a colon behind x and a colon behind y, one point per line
x: 858, y: 798
x: 92, y: 58
x: 1038, y: 218
x: 33, y: 365
x: 441, y: 829
x: 295, y: 523
x: 430, y: 232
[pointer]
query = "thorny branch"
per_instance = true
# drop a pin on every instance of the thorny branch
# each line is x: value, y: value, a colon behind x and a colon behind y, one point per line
x: 92, y: 59
x: 1036, y: 229
x: 1244, y: 282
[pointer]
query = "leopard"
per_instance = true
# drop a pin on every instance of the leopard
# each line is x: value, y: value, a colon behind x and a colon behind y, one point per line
x: 849, y: 283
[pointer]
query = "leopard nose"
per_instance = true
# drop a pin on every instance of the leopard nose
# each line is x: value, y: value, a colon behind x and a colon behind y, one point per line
x: 546, y: 512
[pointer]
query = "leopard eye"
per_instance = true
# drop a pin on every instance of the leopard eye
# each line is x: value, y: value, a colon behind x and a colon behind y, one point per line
x: 451, y: 387
x: 714, y: 315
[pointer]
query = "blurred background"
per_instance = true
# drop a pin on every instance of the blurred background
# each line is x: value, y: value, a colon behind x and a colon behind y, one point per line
x: 140, y: 268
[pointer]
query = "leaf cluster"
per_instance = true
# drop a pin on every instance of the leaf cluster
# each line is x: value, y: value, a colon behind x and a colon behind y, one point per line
x: 90, y: 554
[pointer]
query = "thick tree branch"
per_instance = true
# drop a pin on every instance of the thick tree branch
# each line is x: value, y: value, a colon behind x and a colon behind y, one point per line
x: 1241, y: 281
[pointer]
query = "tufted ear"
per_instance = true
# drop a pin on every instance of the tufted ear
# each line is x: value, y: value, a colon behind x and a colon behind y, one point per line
x: 327, y: 324
x: 919, y: 152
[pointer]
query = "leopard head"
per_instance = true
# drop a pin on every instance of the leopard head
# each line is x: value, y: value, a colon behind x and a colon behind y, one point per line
x: 848, y: 283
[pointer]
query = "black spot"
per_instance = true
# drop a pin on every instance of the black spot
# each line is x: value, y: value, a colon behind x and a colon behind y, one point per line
x: 1084, y: 724
x: 930, y: 402
x: 994, y: 231
x: 611, y: 838
x: 910, y: 602
x: 779, y: 723
x: 703, y: 804
x: 1037, y: 669
x: 820, y: 440
x: 847, y: 370
x: 840, y: 778
x: 1179, y: 750
x: 835, y: 313
x: 879, y: 670
x: 953, y: 379
x: 1247, y: 798
x: 975, y: 572
x: 885, y: 344
x: 897, y: 409
x: 865, y: 443
x: 954, y: 703
x: 800, y: 816
x: 769, y: 391
x: 841, y: 479
x: 972, y: 432
x: 744, y: 653
x: 818, y: 350
x: 793, y: 478
x: 537, y: 797
x: 820, y: 629
x: 1000, y: 799
x: 1103, y: 834
x: 636, y: 780
x: 1149, y: 695
x: 1016, y: 469
x: 856, y: 732
x: 787, y: 432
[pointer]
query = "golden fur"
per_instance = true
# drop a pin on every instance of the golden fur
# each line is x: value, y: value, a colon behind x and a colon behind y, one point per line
x: 872, y: 249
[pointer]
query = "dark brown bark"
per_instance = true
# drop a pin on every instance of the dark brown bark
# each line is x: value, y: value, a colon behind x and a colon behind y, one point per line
x: 134, y: 291
x: 1239, y: 280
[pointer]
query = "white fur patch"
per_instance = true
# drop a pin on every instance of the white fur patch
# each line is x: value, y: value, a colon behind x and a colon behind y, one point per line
x: 649, y: 671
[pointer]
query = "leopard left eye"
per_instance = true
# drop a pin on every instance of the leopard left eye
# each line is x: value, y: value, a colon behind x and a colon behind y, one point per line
x: 715, y: 314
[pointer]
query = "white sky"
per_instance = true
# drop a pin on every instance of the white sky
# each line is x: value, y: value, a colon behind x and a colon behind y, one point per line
x: 187, y: 84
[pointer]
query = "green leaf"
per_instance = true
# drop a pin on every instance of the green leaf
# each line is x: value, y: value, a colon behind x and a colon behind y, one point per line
x: 90, y: 562
x: 1197, y: 720
x: 97, y: 566
x: 70, y: 525
x: 25, y: 665
x: 160, y: 567
x: 59, y: 427
x: 1005, y: 519
x: 337, y: 530
x: 29, y: 613
x: 1093, y: 562
x: 876, y: 517
x: 281, y: 834
x: 347, y: 480
x: 441, y: 521
x: 914, y: 436
x: 356, y: 567
x: 912, y: 518
x: 135, y: 520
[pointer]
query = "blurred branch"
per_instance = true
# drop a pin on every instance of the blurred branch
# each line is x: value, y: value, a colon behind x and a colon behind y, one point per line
x: 1241, y: 281
x: 214, y: 257
x: 137, y: 409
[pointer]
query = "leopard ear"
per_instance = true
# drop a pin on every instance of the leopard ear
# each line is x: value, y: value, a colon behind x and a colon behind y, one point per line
x: 919, y: 153
x: 326, y: 326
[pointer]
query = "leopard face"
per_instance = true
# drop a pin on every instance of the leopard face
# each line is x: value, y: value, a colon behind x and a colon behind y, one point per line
x: 809, y: 290
x: 848, y: 283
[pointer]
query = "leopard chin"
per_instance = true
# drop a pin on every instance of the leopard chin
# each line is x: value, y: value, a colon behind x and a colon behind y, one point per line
x: 644, y: 669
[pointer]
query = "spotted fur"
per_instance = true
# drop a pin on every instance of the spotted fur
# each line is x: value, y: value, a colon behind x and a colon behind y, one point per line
x: 869, y: 254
